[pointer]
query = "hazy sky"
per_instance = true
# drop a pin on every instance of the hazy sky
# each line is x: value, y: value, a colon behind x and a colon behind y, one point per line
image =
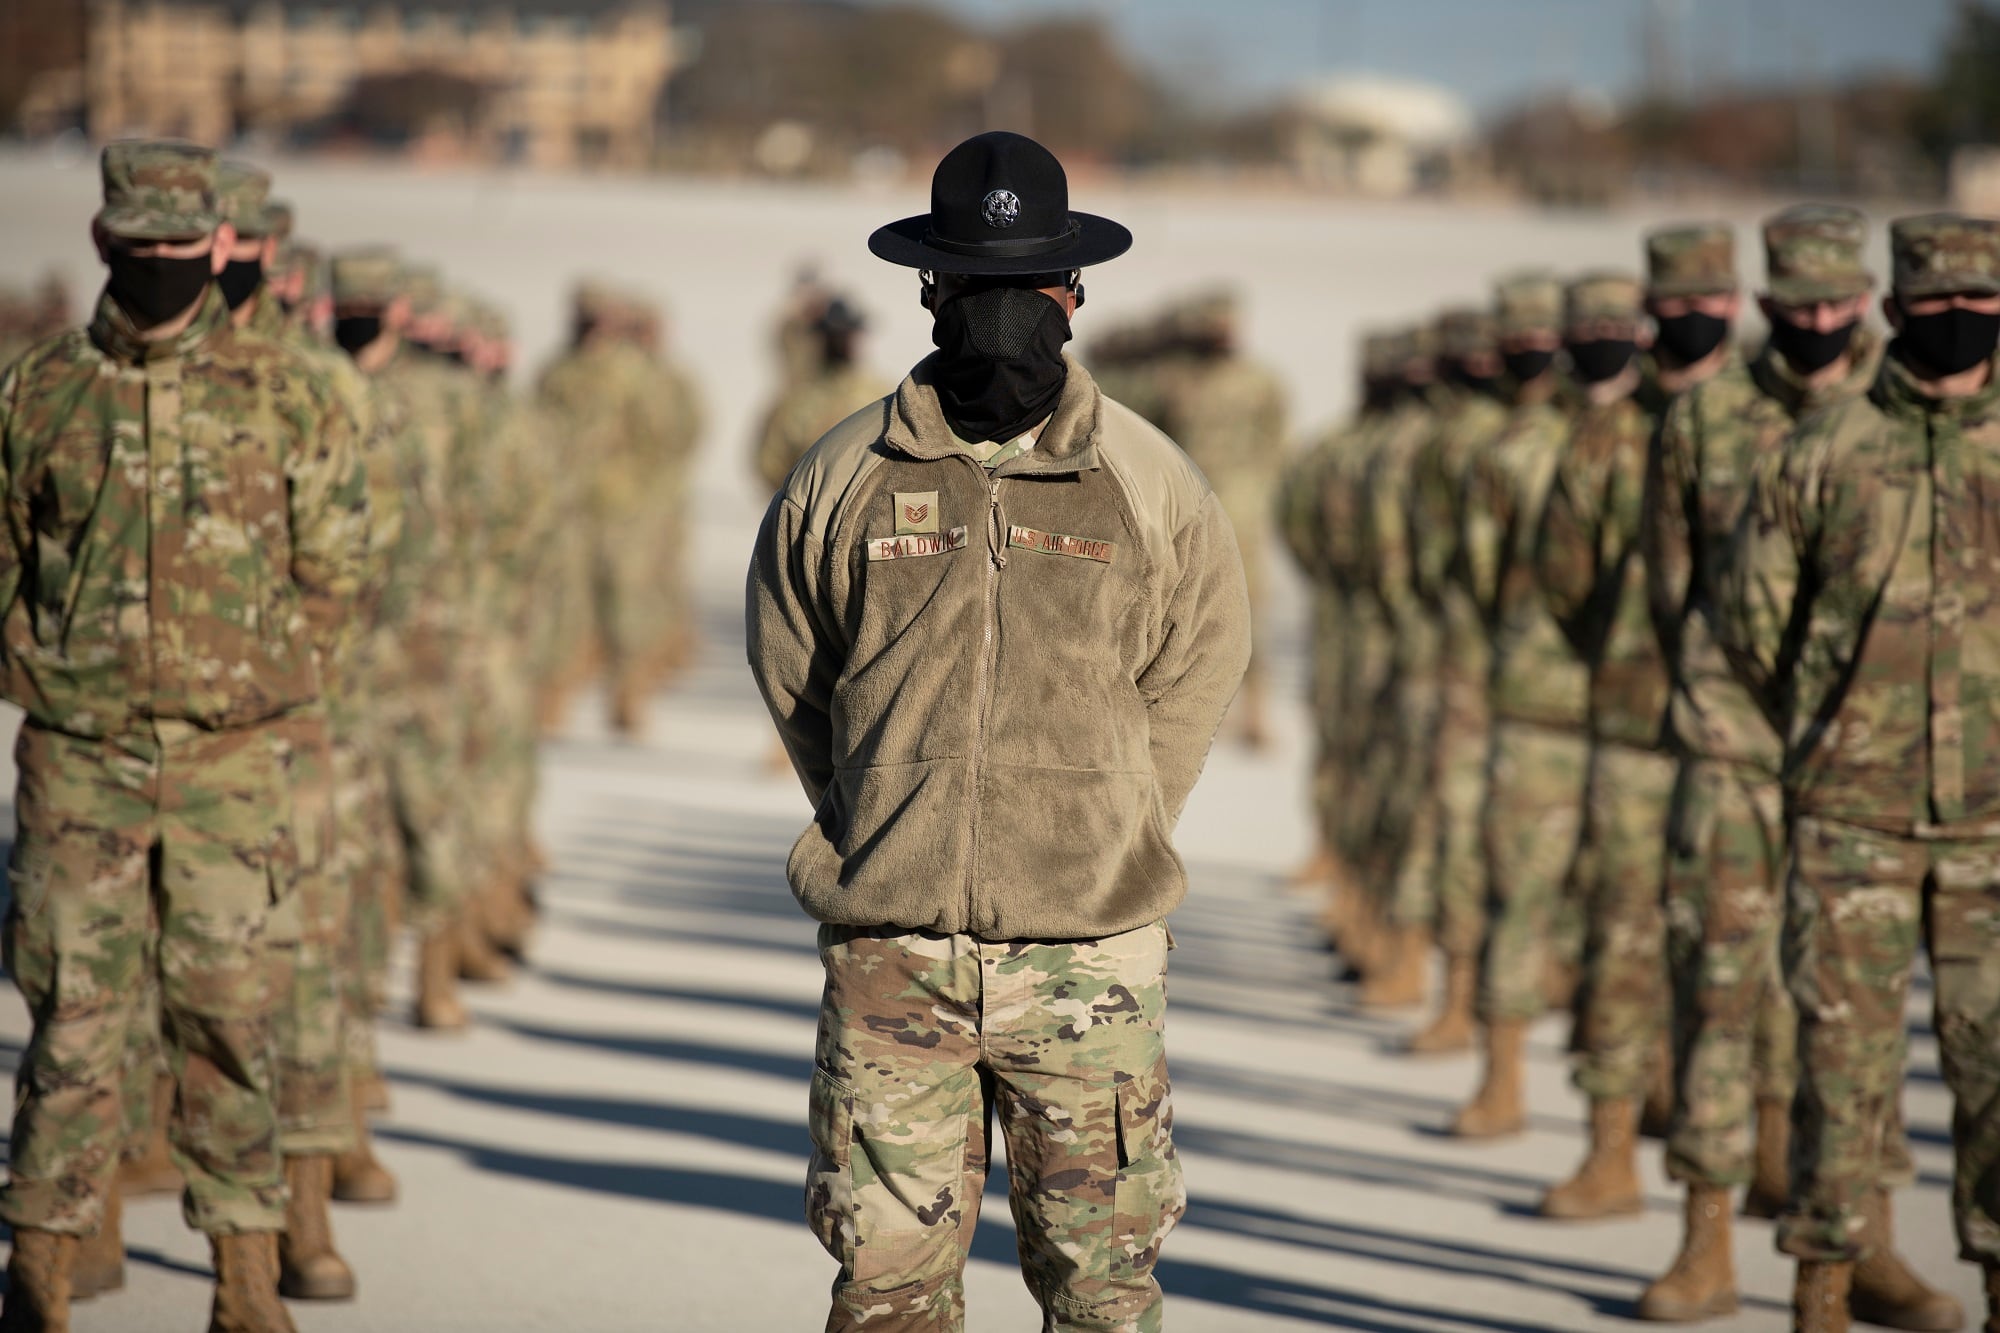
x: 1495, y: 51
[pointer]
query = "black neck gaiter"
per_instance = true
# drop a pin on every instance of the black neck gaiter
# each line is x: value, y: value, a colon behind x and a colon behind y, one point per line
x: 1950, y: 342
x: 1600, y: 359
x: 1529, y: 364
x: 152, y: 289
x: 1808, y: 351
x: 239, y: 280
x: 351, y: 333
x: 1690, y: 337
x: 1000, y: 366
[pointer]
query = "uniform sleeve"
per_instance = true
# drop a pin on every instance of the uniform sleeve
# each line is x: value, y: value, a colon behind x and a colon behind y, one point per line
x: 330, y: 525
x: 13, y: 521
x: 1567, y: 545
x: 795, y: 653
x: 1764, y: 588
x: 1667, y: 523
x: 1484, y: 507
x: 1204, y: 651
x: 773, y: 446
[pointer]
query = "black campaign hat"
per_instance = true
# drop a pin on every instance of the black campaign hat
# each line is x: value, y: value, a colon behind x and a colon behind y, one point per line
x: 1000, y: 206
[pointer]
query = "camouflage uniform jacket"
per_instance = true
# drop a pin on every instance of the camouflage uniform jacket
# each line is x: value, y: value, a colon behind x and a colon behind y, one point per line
x: 1388, y: 554
x: 997, y: 688
x: 1228, y: 413
x: 1715, y: 438
x: 1537, y: 676
x: 1864, y: 604
x: 806, y: 410
x: 1468, y: 423
x: 187, y: 526
x: 1587, y: 557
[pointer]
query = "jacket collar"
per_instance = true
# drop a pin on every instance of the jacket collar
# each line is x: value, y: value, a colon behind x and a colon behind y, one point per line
x: 1067, y: 442
x: 1895, y: 391
x: 1776, y: 378
x: 113, y: 332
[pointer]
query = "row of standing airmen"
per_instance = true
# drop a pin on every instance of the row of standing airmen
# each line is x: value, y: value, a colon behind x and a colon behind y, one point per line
x: 1654, y: 685
x: 291, y: 583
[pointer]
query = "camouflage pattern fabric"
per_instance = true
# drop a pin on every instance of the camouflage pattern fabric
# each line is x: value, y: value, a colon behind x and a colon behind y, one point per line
x: 1812, y: 252
x: 158, y: 190
x: 1941, y: 253
x: 172, y: 844
x: 1697, y: 259
x: 922, y: 1037
x: 1859, y: 905
x: 1734, y: 1029
x: 1531, y: 830
x: 806, y: 410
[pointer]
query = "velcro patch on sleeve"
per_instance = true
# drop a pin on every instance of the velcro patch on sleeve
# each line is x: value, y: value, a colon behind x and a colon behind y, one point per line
x: 916, y: 544
x: 1056, y: 543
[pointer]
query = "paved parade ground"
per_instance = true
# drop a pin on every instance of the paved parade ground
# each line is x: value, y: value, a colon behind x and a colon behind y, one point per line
x: 619, y: 1144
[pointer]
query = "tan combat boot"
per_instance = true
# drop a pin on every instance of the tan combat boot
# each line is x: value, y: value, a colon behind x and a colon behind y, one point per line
x: 153, y: 1171
x: 100, y: 1259
x: 357, y: 1176
x: 1993, y: 1299
x: 1771, y: 1185
x: 1607, y: 1184
x: 1399, y: 982
x: 1452, y: 1029
x: 1495, y: 1110
x: 38, y: 1282
x: 628, y: 709
x: 438, y: 1006
x: 371, y: 1092
x: 309, y: 1268
x: 478, y: 960
x: 1819, y: 1297
x: 1315, y: 870
x: 1885, y: 1292
x: 1702, y: 1283
x: 246, y: 1285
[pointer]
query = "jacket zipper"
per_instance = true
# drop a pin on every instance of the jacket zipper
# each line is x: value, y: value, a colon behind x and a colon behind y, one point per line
x: 996, y: 560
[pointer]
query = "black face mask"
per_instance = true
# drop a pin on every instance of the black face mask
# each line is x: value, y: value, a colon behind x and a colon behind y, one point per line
x: 1456, y: 373
x: 1528, y: 365
x: 1601, y: 359
x: 239, y: 280
x: 1001, y: 366
x: 152, y: 289
x: 1808, y: 351
x: 354, y: 332
x: 1951, y: 341
x: 1380, y: 394
x: 1690, y: 337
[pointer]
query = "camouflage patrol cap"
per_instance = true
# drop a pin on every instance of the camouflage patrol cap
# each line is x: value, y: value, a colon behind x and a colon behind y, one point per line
x: 307, y: 259
x: 1940, y: 253
x: 371, y: 275
x: 1466, y: 330
x: 279, y: 213
x: 1381, y: 354
x: 1209, y: 313
x: 158, y: 190
x: 1601, y: 294
x: 242, y: 194
x: 1420, y: 342
x: 1697, y: 259
x: 595, y: 300
x: 1812, y: 252
x: 1530, y: 301
x: 424, y: 285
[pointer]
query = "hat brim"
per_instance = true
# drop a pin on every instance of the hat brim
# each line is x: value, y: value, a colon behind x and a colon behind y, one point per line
x: 1811, y: 291
x: 905, y: 242
x: 1948, y: 284
x: 139, y: 224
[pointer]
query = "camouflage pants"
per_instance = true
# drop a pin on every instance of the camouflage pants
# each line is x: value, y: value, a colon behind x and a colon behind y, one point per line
x: 922, y: 1038
x: 628, y: 596
x: 1530, y: 831
x: 163, y: 852
x: 500, y: 765
x: 1622, y: 867
x: 1858, y: 906
x: 1735, y: 1032
x: 1364, y: 677
x: 1329, y: 664
x: 1464, y: 738
x: 426, y: 746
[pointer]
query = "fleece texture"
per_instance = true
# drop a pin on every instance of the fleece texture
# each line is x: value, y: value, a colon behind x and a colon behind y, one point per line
x: 997, y: 689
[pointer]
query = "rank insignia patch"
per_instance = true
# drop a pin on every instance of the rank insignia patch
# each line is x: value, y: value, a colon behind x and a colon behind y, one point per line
x: 916, y: 511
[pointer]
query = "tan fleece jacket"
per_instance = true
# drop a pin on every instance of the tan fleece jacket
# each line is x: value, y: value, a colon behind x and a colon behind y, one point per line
x: 998, y: 690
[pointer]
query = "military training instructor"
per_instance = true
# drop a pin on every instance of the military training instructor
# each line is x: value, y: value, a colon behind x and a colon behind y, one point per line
x: 998, y: 620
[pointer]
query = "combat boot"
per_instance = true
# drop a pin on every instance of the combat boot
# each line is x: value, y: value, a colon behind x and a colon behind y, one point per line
x: 1607, y: 1184
x: 371, y: 1092
x: 1256, y: 736
x: 38, y: 1282
x: 309, y: 1268
x: 246, y: 1285
x: 438, y: 1006
x: 1314, y: 870
x: 628, y: 709
x: 1771, y: 1185
x: 478, y: 960
x: 153, y: 1171
x: 1885, y: 1292
x: 357, y: 1176
x: 1993, y: 1298
x: 1702, y: 1283
x: 1819, y: 1297
x: 1495, y: 1110
x: 1452, y: 1029
x: 1399, y: 982
x: 100, y: 1259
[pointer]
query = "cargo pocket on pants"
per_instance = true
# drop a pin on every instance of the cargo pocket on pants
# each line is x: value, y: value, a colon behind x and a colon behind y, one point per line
x: 1150, y: 1193
x: 829, y: 1184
